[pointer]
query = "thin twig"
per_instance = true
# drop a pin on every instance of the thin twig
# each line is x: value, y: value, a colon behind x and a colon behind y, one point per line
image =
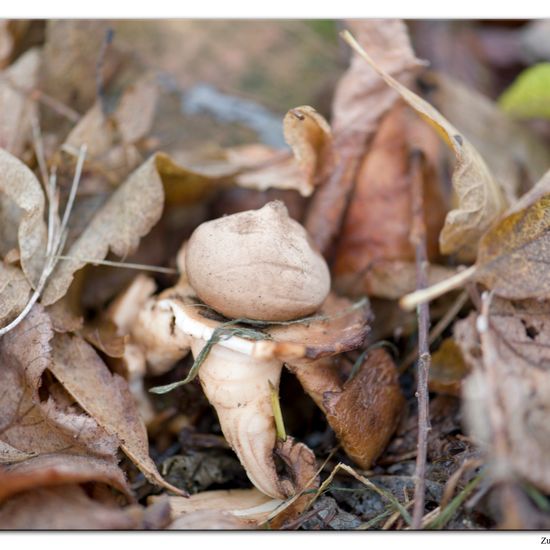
x: 438, y: 329
x: 418, y: 239
x: 100, y: 81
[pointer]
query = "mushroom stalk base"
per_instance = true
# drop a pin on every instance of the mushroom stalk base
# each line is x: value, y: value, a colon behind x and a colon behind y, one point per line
x: 237, y: 385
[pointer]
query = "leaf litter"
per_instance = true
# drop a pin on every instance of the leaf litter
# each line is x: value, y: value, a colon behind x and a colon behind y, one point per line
x: 93, y: 190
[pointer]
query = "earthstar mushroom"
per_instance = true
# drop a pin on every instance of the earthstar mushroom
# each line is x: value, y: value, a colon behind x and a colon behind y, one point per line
x: 251, y: 266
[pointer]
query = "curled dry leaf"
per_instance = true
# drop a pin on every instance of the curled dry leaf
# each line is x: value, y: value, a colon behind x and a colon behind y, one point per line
x: 359, y: 102
x: 510, y: 149
x: 309, y: 136
x: 512, y: 255
x: 106, y: 398
x: 374, y: 243
x: 22, y: 193
x: 230, y: 509
x: 364, y: 410
x: 63, y: 508
x: 506, y: 396
x: 17, y: 108
x: 259, y: 167
x: 480, y: 198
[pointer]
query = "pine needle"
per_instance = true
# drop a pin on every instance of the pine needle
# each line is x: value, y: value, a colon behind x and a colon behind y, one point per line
x: 125, y: 265
x: 277, y: 413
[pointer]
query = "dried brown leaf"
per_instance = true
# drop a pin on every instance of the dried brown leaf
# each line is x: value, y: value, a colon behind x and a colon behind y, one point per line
x: 63, y: 508
x: 506, y: 396
x: 514, y: 254
x: 510, y: 149
x: 309, y: 136
x: 359, y: 102
x: 71, y: 53
x: 228, y: 509
x: 480, y: 199
x: 9, y: 454
x: 375, y: 235
x: 105, y: 397
x: 16, y: 106
x: 14, y: 292
x: 60, y: 469
x: 33, y: 425
x: 387, y: 279
x: 23, y: 196
x: 131, y: 211
x: 136, y: 110
x: 360, y: 98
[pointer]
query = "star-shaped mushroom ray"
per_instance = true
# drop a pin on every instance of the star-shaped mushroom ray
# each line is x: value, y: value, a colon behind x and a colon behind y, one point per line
x: 239, y: 364
x: 338, y: 326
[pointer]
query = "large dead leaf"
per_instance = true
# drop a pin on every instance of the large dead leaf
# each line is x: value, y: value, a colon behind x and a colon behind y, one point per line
x: 105, y: 397
x: 16, y: 106
x: 506, y: 397
x: 129, y: 214
x: 23, y: 198
x: 359, y: 102
x: 63, y: 508
x: 480, y: 199
x: 375, y: 235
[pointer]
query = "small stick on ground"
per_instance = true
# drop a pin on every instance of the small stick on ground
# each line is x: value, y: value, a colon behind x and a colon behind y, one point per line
x: 100, y: 83
x: 418, y: 240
